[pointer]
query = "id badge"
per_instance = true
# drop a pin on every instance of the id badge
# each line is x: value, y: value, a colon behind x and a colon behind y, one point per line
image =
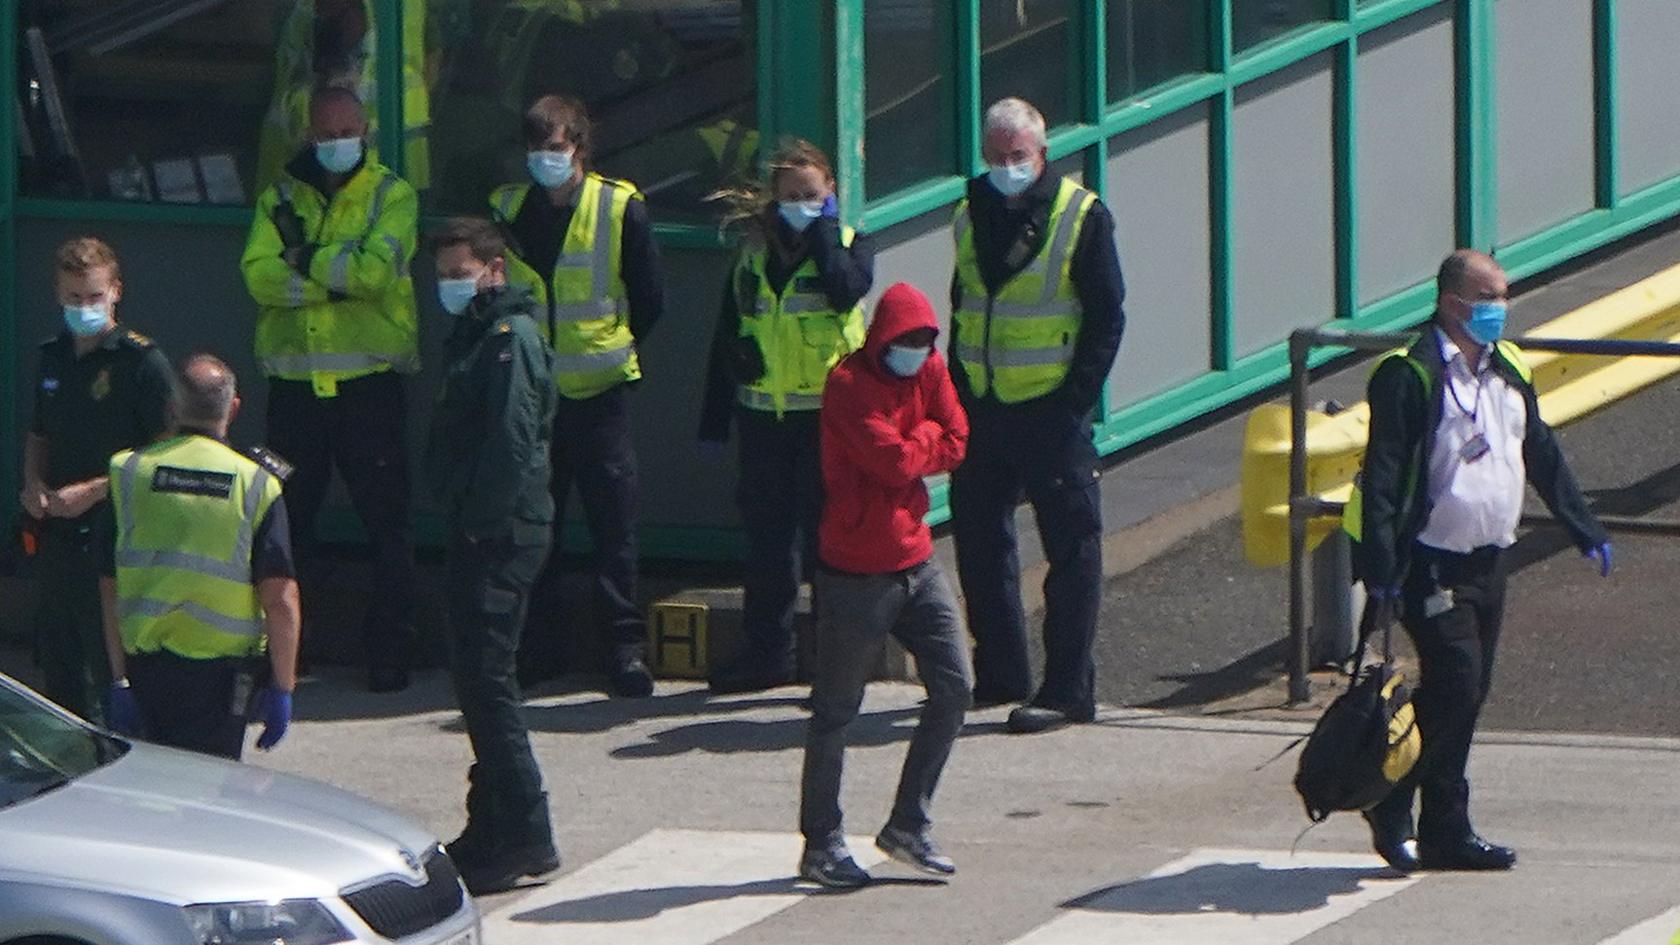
x: 1474, y: 448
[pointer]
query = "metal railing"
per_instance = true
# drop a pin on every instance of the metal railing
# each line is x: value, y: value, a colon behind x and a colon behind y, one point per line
x: 1304, y: 507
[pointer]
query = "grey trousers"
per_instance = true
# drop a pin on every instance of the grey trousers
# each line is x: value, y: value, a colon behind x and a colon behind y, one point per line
x: 855, y: 615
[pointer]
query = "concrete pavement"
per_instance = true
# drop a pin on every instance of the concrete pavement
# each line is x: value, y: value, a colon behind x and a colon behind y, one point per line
x: 676, y: 818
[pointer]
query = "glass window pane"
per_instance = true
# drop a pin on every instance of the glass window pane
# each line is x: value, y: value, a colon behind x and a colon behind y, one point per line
x: 1151, y: 41
x: 170, y: 101
x: 907, y: 93
x: 671, y: 87
x: 1027, y: 50
x: 1255, y: 21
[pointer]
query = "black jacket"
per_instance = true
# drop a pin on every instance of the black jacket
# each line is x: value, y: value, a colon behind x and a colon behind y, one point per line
x: 846, y: 273
x: 1404, y: 418
x: 487, y: 450
x: 1095, y: 274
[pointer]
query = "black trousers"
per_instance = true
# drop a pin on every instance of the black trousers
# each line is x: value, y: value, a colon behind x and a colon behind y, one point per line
x: 1049, y: 456
x: 489, y: 590
x: 198, y: 705
x: 780, y: 495
x: 69, y: 633
x: 593, y: 448
x: 363, y: 432
x: 1455, y: 655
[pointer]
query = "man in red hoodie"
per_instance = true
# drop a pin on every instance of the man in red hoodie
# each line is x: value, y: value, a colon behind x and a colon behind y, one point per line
x: 889, y: 417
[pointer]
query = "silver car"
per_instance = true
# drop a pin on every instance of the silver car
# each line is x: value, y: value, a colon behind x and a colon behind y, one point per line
x: 110, y: 842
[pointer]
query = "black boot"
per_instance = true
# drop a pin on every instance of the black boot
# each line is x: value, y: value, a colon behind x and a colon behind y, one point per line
x: 475, y: 837
x: 522, y: 848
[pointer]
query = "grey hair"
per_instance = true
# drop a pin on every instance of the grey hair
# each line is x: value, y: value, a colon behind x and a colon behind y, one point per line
x: 1011, y: 115
x: 204, y: 390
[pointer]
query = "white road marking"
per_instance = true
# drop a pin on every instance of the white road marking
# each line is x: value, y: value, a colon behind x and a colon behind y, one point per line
x: 1658, y: 930
x: 1256, y: 897
x: 669, y: 887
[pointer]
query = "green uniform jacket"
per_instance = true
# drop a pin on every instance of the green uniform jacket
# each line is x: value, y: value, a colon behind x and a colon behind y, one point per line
x: 487, y: 451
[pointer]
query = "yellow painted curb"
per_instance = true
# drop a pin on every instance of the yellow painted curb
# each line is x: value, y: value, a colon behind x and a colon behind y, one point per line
x: 1570, y: 386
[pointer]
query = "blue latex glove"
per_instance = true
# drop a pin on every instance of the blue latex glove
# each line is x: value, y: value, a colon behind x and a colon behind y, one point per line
x: 1602, y: 556
x: 124, y: 712
x: 274, y: 710
x: 831, y: 208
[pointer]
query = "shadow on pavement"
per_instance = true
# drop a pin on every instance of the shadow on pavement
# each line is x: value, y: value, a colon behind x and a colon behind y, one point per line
x: 634, y: 905
x: 729, y: 736
x: 1258, y: 668
x: 1235, y: 888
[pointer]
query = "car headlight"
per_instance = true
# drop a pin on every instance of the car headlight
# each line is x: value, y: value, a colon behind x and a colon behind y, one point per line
x: 288, y: 922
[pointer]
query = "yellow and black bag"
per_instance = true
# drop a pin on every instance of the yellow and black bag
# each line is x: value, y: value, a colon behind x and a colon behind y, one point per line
x: 1367, y: 740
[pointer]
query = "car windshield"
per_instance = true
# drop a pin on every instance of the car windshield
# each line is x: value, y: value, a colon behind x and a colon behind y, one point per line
x: 41, y: 750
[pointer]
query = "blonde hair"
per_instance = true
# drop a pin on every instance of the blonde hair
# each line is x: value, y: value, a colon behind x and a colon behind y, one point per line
x: 748, y: 205
x: 86, y: 253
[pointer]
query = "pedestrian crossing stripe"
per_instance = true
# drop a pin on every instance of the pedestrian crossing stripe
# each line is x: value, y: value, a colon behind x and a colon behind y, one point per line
x: 1658, y: 930
x: 670, y: 887
x: 697, y: 887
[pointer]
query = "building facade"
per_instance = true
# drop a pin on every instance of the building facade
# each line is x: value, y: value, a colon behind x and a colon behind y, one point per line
x: 1270, y: 163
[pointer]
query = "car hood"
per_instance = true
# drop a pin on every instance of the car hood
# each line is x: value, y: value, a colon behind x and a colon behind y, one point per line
x: 186, y: 828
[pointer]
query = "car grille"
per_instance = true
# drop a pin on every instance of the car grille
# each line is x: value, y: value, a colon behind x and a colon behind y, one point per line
x: 396, y: 909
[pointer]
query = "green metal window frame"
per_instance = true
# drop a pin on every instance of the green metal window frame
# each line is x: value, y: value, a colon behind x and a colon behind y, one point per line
x: 826, y: 104
x: 1231, y: 378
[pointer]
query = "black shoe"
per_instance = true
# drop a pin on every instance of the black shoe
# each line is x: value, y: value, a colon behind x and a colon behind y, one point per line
x: 387, y: 679
x: 1028, y: 719
x: 1469, y: 853
x: 630, y: 679
x: 914, y: 848
x: 832, y: 868
x: 1393, y: 842
x: 750, y: 673
x: 487, y: 871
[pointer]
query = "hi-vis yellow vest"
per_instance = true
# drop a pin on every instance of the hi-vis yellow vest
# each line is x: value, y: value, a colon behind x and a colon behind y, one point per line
x: 799, y: 333
x: 1353, y: 513
x: 286, y: 124
x: 187, y: 511
x: 1018, y: 344
x: 588, y: 321
x: 354, y: 313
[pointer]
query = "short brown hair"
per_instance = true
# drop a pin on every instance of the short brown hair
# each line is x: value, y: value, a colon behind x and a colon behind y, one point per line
x: 563, y: 113
x: 478, y: 235
x: 86, y: 253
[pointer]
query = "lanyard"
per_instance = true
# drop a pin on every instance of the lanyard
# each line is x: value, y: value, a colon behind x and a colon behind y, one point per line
x: 1475, y: 407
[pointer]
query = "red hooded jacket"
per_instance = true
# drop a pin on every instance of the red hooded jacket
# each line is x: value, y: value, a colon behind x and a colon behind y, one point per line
x: 881, y: 434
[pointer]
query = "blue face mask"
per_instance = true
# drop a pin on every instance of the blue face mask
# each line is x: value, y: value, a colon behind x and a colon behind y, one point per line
x: 905, y: 361
x: 1487, y: 322
x: 1011, y: 180
x: 456, y: 294
x: 339, y: 155
x: 86, y: 320
x: 800, y: 214
x: 549, y: 168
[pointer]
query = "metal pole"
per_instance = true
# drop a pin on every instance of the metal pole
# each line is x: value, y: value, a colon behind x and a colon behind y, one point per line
x: 1333, y: 634
x: 1299, y: 656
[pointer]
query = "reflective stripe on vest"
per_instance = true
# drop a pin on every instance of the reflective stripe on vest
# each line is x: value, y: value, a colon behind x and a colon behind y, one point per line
x: 185, y: 545
x: 281, y: 364
x: 1021, y: 344
x: 799, y: 333
x: 587, y: 325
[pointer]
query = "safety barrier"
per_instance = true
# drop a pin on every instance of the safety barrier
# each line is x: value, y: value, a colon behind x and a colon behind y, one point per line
x: 1294, y: 489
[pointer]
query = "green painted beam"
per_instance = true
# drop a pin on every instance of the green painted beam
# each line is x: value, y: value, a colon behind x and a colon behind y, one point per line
x: 1378, y: 15
x: 849, y: 99
x: 1478, y: 186
x: 967, y: 70
x: 1606, y: 115
x: 10, y: 434
x: 388, y: 66
x: 1344, y: 129
x: 798, y: 77
x: 1220, y: 161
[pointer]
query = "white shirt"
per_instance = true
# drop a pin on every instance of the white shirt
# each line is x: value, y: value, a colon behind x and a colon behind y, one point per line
x: 1478, y: 501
